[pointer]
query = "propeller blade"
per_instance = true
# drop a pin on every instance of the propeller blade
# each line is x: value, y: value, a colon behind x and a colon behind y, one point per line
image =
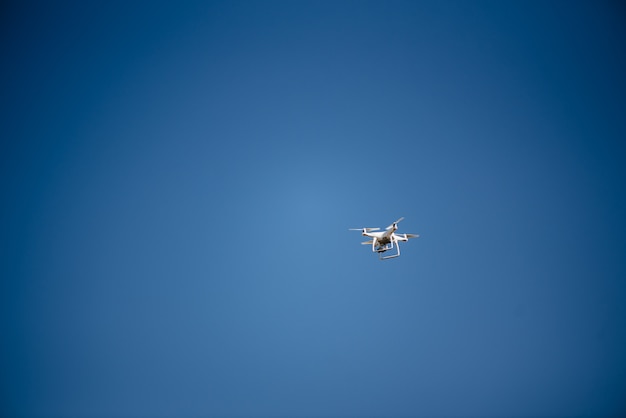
x: 412, y: 235
x: 391, y: 226
x: 364, y: 229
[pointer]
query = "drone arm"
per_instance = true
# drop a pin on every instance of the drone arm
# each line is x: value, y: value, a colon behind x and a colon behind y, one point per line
x: 404, y: 237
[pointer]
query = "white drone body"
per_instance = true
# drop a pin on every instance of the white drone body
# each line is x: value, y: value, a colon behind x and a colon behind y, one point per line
x: 385, y: 240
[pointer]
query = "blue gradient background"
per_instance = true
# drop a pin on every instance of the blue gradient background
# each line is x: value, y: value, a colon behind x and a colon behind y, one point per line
x: 178, y: 178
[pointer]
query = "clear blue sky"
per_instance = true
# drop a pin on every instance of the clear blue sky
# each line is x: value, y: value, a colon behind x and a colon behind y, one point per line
x: 178, y: 180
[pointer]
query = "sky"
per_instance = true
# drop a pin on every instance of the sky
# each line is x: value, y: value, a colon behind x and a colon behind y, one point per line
x: 178, y: 180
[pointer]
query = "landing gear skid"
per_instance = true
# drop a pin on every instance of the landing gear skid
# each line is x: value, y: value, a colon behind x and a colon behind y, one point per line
x: 381, y: 249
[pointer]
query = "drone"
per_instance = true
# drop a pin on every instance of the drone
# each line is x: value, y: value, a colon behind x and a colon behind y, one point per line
x: 386, y: 240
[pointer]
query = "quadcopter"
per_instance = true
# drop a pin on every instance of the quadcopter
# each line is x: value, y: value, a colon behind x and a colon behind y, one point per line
x: 384, y: 241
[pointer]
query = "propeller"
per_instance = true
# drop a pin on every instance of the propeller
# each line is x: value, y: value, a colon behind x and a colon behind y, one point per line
x: 364, y: 229
x: 394, y: 224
